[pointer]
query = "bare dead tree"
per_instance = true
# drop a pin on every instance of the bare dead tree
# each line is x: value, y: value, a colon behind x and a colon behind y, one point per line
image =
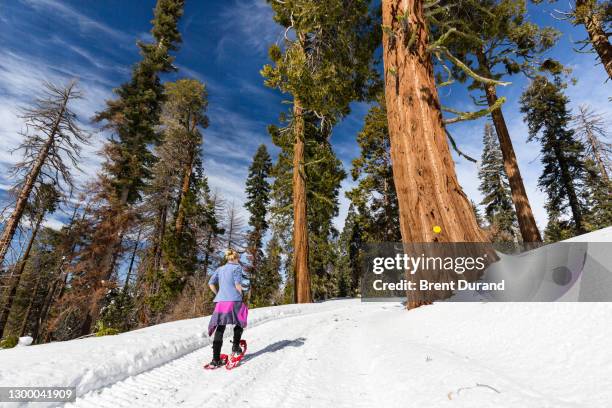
x: 51, y: 143
x: 234, y: 228
x: 592, y: 128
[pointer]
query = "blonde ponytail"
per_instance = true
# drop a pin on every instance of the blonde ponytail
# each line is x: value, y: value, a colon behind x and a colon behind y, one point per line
x: 231, y: 255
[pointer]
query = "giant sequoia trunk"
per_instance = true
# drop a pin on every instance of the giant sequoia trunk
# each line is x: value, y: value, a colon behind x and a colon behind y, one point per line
x: 423, y: 169
x: 593, y: 22
x: 424, y: 175
x: 300, y: 223
x: 524, y: 214
x: 16, y: 278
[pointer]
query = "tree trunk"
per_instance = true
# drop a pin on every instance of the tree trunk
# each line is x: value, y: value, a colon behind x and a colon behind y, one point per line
x: 62, y: 278
x: 595, y: 146
x: 26, y: 318
x: 129, y: 272
x: 424, y: 175
x: 28, y: 185
x: 180, y: 216
x: 572, y: 197
x: 107, y: 264
x: 208, y: 251
x: 157, y: 250
x: 423, y: 169
x: 524, y: 214
x: 597, y: 34
x: 300, y: 222
x: 6, y: 310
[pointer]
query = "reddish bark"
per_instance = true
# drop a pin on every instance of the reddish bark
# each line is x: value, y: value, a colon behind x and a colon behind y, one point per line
x: 524, y: 214
x: 594, y: 25
x: 423, y: 169
x: 300, y: 224
x: 424, y: 175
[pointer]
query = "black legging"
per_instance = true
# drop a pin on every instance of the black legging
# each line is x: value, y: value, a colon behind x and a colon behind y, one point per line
x: 218, y: 339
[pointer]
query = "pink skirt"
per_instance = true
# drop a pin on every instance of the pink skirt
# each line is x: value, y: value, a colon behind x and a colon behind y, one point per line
x: 225, y: 313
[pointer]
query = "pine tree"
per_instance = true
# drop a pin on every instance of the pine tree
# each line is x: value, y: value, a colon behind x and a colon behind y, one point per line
x: 350, y: 253
x: 258, y: 198
x: 45, y: 200
x: 598, y: 198
x: 323, y: 66
x: 499, y: 210
x: 34, y: 284
x: 266, y: 282
x: 477, y: 214
x: 172, y: 197
x: 375, y: 197
x: 132, y: 118
x: 325, y: 175
x: 548, y: 118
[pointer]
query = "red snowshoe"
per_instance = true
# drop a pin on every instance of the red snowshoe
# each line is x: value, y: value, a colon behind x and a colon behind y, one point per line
x: 234, y: 359
x: 213, y: 365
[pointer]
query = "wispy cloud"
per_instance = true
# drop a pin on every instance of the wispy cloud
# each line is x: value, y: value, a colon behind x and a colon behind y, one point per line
x: 247, y: 23
x: 86, y: 24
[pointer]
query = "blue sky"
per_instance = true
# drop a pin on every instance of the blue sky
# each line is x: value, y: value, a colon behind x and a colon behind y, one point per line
x: 224, y: 45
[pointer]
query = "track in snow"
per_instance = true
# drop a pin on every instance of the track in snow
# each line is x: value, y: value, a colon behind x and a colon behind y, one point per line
x: 356, y: 355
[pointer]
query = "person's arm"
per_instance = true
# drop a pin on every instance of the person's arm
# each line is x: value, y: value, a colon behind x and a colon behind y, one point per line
x: 212, y: 282
x: 238, y: 278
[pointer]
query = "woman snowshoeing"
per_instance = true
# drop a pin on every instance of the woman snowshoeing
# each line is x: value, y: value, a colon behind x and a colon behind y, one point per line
x: 227, y: 284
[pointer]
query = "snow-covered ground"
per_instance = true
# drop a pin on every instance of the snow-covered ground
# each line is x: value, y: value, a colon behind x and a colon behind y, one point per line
x: 346, y: 353
x: 350, y: 354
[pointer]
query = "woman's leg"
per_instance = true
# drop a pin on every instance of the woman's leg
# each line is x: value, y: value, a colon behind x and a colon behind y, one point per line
x: 218, y: 342
x: 237, y: 335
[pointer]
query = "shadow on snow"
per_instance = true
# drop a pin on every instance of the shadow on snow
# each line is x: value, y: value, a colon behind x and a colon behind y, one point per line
x: 274, y: 347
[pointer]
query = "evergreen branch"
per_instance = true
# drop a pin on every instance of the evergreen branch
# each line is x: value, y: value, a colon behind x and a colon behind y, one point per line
x: 314, y: 162
x: 440, y: 41
x: 323, y: 198
x: 468, y: 70
x: 449, y: 80
x: 462, y: 116
x: 456, y: 149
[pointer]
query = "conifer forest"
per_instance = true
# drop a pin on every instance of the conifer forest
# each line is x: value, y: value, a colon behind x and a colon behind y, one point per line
x: 432, y: 92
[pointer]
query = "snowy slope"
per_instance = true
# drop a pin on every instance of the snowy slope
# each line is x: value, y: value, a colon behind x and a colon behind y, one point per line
x: 347, y: 353
x: 355, y: 354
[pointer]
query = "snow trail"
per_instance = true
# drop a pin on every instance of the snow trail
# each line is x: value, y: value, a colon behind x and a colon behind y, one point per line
x: 376, y: 354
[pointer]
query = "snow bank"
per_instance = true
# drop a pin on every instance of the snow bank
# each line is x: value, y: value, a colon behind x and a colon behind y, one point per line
x: 92, y: 363
x: 548, y: 344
